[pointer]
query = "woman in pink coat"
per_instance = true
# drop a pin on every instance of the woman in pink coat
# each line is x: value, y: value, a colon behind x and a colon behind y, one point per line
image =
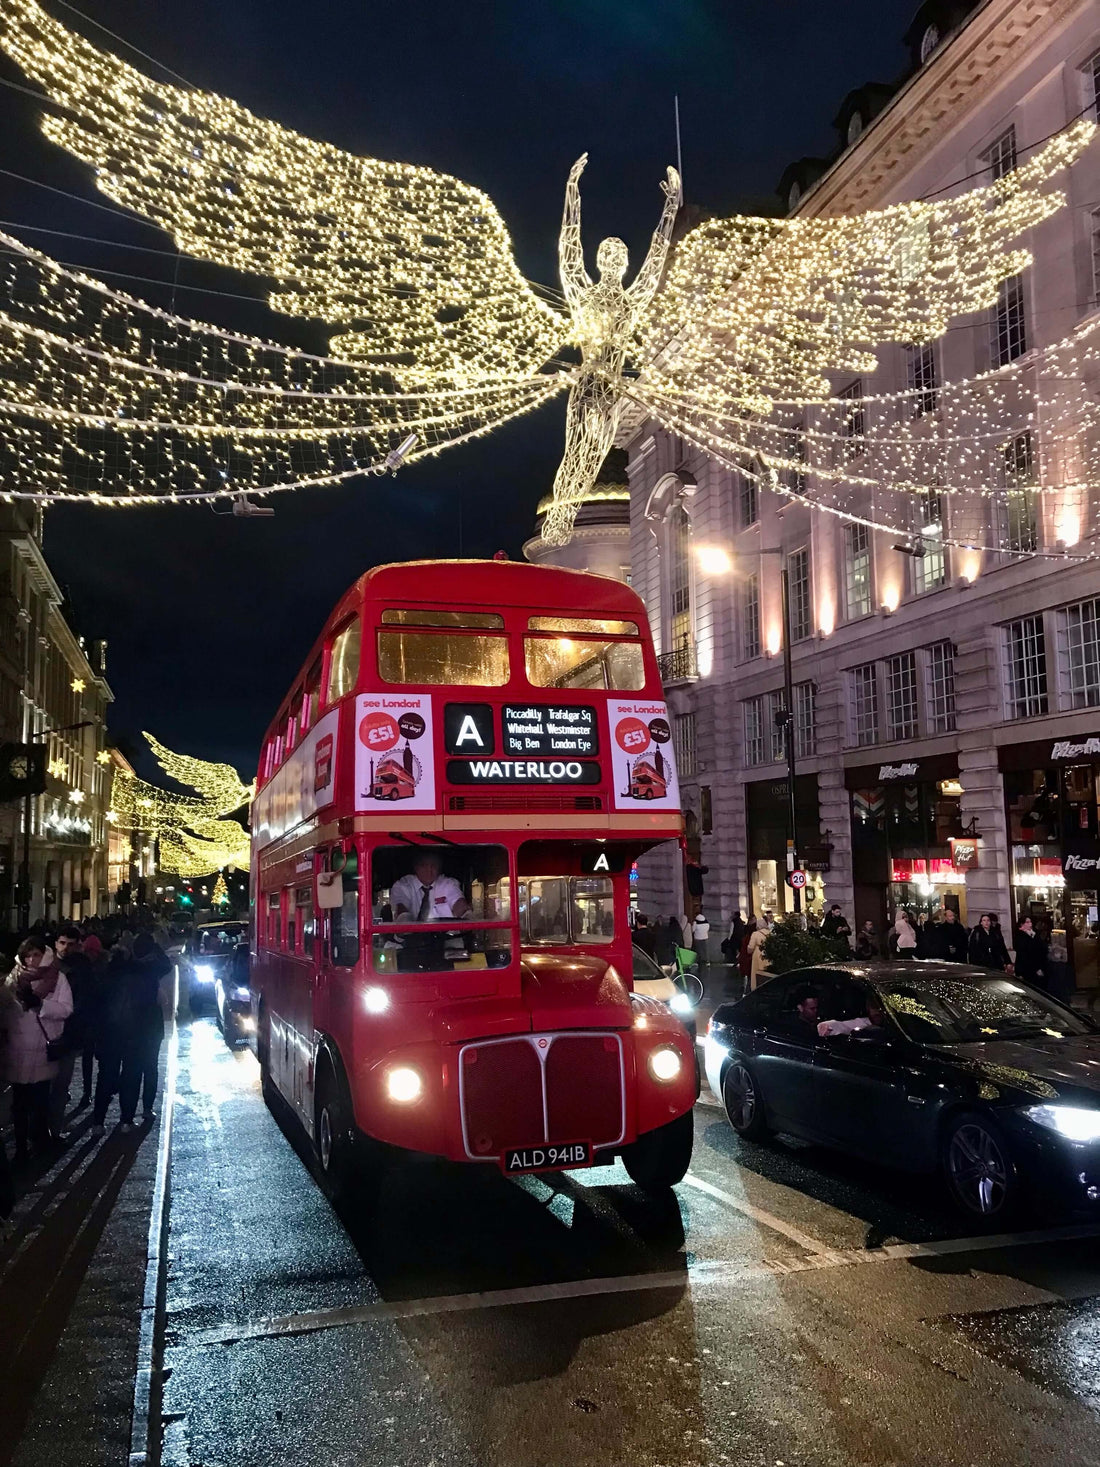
x: 37, y: 1001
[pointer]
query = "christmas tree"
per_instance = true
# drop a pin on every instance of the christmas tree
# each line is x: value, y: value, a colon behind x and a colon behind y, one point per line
x: 220, y: 897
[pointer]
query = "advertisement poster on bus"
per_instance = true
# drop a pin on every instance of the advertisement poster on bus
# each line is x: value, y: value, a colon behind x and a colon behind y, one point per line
x: 394, y: 764
x: 305, y: 783
x: 641, y: 756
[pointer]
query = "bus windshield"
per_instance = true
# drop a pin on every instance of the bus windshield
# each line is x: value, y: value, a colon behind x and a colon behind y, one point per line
x: 438, y: 909
x: 558, y: 910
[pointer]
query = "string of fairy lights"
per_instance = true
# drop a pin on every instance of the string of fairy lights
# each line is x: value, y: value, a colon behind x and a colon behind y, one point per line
x: 194, y: 833
x: 438, y: 337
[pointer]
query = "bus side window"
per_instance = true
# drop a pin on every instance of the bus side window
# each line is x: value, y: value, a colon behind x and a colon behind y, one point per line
x: 291, y: 915
x: 274, y: 920
x: 303, y: 900
x: 312, y: 699
x: 344, y: 920
x: 343, y: 668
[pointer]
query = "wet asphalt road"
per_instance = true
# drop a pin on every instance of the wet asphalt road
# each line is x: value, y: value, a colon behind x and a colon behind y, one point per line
x: 787, y: 1307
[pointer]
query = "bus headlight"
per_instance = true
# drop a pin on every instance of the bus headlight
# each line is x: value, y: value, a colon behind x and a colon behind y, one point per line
x: 665, y: 1064
x: 404, y: 1085
x: 376, y: 1000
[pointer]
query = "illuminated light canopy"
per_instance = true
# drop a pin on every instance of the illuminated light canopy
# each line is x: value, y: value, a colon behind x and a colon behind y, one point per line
x: 193, y: 831
x: 735, y: 346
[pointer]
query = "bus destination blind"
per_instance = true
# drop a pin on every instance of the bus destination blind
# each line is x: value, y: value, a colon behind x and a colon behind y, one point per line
x: 535, y: 729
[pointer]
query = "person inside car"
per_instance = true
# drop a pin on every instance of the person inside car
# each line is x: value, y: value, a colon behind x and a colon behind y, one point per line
x: 806, y: 1006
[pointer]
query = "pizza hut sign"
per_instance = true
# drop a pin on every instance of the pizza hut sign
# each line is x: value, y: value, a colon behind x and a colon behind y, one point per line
x: 897, y: 771
x: 964, y: 853
x: 1072, y: 862
x: 1085, y: 749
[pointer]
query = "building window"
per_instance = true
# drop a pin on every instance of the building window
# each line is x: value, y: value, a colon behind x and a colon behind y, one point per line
x: 1009, y: 332
x: 754, y: 730
x: 1091, y: 74
x: 679, y: 577
x: 854, y: 422
x: 921, y: 375
x: 941, y: 688
x: 930, y: 568
x: 777, y: 738
x: 857, y: 570
x: 805, y: 720
x: 1020, y: 530
x: 750, y: 617
x: 901, y: 696
x: 865, y: 704
x: 1000, y: 157
x: 1079, y: 633
x: 683, y: 736
x: 750, y: 508
x: 1026, y: 668
x: 798, y: 582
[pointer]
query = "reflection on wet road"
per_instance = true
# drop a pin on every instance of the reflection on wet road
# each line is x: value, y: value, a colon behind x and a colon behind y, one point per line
x: 784, y: 1305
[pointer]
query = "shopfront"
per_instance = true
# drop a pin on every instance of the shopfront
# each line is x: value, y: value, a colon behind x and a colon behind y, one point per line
x: 909, y: 848
x: 766, y: 813
x: 1052, y: 804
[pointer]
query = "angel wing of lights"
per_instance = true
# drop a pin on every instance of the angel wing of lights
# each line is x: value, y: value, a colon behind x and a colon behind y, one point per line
x: 435, y: 329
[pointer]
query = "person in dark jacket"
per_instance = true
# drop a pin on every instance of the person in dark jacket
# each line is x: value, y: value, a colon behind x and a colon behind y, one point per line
x: 868, y: 943
x: 954, y: 938
x: 643, y: 936
x: 836, y: 925
x: 1031, y: 954
x: 144, y: 1028
x: 69, y: 949
x: 987, y: 945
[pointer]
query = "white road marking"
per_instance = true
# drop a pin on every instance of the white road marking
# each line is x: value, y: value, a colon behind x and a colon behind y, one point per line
x: 758, y: 1214
x: 699, y: 1275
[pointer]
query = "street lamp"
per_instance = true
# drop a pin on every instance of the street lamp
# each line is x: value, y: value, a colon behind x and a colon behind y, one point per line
x: 715, y: 561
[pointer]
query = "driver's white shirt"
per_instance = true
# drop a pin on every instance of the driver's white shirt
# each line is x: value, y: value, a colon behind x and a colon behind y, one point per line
x: 443, y: 895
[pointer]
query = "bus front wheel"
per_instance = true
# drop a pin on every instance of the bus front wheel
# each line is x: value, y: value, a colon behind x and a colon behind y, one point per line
x: 660, y: 1158
x: 332, y: 1136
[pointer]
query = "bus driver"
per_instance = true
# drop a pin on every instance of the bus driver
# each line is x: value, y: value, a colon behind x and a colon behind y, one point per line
x: 427, y: 895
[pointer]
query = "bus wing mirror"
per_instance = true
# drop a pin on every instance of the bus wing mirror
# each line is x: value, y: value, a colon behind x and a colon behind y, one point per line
x: 330, y: 890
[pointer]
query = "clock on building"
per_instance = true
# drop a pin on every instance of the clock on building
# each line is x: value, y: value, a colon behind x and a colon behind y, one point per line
x: 22, y: 770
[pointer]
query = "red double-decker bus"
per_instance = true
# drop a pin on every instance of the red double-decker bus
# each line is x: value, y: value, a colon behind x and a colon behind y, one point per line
x: 449, y: 805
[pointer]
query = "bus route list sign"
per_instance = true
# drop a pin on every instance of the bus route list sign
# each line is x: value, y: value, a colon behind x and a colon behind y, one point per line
x: 534, y: 728
x: 393, y: 752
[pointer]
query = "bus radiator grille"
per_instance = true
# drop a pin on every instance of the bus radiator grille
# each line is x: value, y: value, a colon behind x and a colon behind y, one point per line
x: 516, y: 803
x: 502, y: 1091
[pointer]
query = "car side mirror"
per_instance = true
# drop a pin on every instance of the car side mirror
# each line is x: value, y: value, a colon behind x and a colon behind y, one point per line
x: 330, y: 890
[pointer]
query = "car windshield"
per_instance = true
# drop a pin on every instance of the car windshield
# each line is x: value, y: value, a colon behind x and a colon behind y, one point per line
x: 645, y: 969
x: 973, y: 1010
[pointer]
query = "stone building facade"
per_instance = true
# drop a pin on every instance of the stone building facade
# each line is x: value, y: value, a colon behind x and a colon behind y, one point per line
x: 946, y: 703
x: 53, y: 690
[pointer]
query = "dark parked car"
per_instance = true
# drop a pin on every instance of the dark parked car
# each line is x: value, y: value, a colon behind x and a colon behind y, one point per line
x: 928, y: 1066
x: 233, y: 997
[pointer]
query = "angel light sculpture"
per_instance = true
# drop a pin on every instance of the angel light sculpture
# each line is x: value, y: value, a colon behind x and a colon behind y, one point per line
x: 434, y: 329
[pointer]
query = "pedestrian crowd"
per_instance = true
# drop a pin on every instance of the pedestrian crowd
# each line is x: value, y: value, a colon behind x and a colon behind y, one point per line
x: 91, y: 996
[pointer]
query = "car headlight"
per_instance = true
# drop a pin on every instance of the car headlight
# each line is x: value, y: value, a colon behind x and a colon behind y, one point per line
x: 242, y: 994
x: 204, y: 973
x: 679, y: 1003
x: 665, y: 1063
x: 1074, y: 1122
x: 404, y: 1085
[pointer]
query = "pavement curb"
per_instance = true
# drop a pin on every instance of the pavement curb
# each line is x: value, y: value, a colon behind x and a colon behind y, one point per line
x: 144, y: 1451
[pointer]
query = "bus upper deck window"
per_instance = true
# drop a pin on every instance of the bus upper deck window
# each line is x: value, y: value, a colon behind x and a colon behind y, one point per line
x: 471, y: 621
x: 343, y: 671
x: 588, y: 662
x: 312, y: 700
x: 583, y: 626
x: 443, y: 657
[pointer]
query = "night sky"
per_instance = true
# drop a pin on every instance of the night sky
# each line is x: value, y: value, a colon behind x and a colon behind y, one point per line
x: 208, y: 619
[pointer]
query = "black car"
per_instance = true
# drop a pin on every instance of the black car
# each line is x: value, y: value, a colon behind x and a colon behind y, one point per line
x: 207, y: 954
x: 932, y: 1067
x: 233, y: 997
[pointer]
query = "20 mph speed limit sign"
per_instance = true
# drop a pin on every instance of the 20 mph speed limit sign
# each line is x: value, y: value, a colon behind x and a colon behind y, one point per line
x: 796, y: 879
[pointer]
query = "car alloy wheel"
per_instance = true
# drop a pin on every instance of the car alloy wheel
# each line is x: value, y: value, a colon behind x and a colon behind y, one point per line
x: 741, y: 1098
x: 978, y: 1169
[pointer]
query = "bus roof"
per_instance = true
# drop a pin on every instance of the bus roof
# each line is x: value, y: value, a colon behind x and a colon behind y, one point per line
x: 489, y: 583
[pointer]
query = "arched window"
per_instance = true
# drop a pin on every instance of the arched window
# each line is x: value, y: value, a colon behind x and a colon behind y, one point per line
x: 679, y: 577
